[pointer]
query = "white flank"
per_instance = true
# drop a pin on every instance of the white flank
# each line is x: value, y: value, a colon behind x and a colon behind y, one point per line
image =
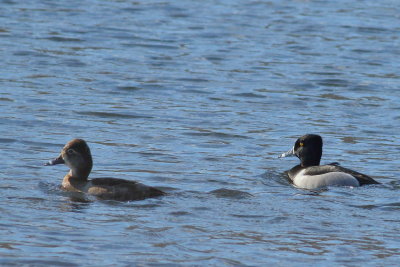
x: 324, y: 180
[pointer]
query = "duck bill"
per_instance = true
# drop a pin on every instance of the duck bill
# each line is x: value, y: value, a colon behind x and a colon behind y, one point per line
x: 58, y: 160
x: 290, y: 153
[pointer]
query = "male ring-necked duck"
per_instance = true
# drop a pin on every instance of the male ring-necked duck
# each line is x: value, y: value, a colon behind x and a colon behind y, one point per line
x: 310, y: 175
x: 76, y: 155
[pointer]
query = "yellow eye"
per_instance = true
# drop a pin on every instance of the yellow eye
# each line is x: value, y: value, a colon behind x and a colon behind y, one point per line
x: 301, y: 144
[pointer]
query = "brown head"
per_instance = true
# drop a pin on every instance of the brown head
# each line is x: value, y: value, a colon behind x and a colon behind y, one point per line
x: 76, y: 155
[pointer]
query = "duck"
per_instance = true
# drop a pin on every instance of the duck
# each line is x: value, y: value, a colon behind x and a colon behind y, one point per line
x: 309, y: 174
x: 76, y: 155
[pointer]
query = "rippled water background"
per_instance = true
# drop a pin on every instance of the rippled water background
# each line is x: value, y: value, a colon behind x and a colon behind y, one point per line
x: 199, y: 98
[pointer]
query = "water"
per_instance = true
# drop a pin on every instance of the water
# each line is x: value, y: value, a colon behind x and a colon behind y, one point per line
x: 199, y: 98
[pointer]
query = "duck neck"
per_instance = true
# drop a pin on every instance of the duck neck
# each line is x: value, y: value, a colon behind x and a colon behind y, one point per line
x: 309, y: 163
x: 80, y: 174
x: 310, y: 158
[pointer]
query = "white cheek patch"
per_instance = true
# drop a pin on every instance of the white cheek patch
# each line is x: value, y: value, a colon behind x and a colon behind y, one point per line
x: 324, y: 180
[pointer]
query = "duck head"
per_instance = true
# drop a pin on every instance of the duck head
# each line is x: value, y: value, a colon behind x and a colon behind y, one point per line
x: 76, y: 155
x: 308, y: 149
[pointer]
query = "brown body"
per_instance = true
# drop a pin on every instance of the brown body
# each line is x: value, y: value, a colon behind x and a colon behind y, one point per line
x: 76, y: 155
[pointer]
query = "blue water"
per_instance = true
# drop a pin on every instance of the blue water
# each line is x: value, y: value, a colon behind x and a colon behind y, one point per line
x: 199, y: 98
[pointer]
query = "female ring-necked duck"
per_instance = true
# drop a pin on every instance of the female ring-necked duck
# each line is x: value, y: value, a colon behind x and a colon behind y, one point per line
x: 76, y: 155
x: 310, y: 175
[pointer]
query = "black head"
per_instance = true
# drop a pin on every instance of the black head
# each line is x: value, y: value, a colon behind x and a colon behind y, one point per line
x: 308, y: 149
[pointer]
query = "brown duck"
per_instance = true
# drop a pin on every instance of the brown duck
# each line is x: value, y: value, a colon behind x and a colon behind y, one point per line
x: 76, y: 155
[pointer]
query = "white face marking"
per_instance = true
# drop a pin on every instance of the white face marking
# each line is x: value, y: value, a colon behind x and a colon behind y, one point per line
x: 74, y: 161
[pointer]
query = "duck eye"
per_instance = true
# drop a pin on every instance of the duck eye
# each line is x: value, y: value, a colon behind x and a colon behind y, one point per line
x: 301, y: 144
x: 70, y: 151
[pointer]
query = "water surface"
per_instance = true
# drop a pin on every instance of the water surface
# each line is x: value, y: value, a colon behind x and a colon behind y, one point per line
x: 199, y: 98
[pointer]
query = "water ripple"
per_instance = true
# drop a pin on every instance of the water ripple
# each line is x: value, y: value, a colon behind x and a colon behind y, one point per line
x: 198, y: 98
